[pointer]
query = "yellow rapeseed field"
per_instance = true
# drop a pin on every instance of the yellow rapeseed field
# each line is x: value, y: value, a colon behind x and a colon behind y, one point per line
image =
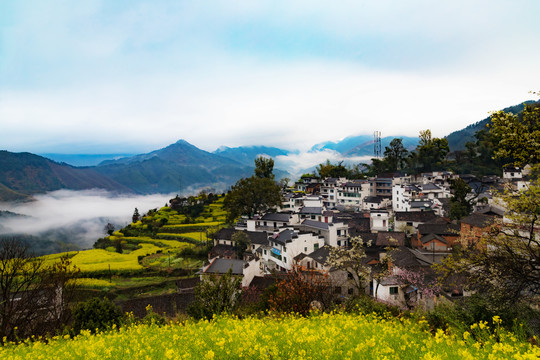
x: 99, y: 259
x: 326, y: 336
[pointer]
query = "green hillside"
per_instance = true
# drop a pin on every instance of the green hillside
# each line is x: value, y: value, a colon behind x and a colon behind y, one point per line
x: 458, y: 139
x: 164, y: 245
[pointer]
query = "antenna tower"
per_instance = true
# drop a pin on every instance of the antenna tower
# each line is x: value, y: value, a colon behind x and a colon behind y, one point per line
x: 377, y: 147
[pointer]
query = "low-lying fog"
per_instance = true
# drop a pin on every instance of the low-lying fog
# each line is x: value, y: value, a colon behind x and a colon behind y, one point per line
x: 76, y: 217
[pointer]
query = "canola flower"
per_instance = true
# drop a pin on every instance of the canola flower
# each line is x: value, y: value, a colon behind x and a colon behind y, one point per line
x: 322, y: 336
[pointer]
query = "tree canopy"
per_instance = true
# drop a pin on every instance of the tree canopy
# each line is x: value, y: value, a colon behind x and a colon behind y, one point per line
x: 253, y: 195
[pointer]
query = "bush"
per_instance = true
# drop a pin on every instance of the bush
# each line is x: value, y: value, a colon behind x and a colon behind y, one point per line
x: 96, y: 315
x: 367, y: 305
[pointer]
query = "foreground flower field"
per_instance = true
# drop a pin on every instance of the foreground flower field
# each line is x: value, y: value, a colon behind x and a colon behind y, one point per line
x: 326, y: 336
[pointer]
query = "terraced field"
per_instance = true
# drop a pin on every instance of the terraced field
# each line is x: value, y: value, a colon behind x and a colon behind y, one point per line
x: 161, y: 244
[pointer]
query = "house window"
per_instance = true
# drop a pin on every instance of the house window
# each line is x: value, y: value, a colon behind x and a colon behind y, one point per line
x: 337, y: 290
x: 315, y: 247
x: 339, y: 232
x: 393, y: 290
x: 339, y: 243
x: 285, y: 260
x: 350, y: 291
x: 264, y: 252
x: 305, y: 249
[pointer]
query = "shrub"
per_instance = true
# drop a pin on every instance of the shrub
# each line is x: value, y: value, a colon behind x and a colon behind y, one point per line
x: 95, y: 315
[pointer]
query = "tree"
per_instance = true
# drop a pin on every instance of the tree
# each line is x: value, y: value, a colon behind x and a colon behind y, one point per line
x: 33, y: 295
x: 109, y: 228
x: 395, y: 154
x: 250, y: 196
x: 299, y: 290
x: 461, y: 202
x: 136, y: 216
x: 264, y: 167
x: 430, y: 153
x: 504, y: 262
x: 519, y: 135
x: 351, y: 259
x: 328, y: 169
x: 215, y: 295
x: 241, y: 242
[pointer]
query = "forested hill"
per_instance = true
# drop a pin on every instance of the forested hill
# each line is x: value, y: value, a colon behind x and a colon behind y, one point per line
x: 25, y: 174
x: 174, y: 168
x: 458, y: 139
x: 171, y: 169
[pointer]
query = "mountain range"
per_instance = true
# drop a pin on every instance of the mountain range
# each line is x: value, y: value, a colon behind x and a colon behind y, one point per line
x: 176, y: 167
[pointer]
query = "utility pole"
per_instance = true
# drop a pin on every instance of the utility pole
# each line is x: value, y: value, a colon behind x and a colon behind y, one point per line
x: 377, y: 146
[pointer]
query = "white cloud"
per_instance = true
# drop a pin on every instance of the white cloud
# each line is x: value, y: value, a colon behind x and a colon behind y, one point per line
x: 88, y: 210
x: 103, y: 77
x: 305, y: 161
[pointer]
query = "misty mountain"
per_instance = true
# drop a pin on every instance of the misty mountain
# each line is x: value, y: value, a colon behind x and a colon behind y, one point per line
x: 247, y: 154
x: 25, y: 174
x: 174, y: 168
x: 458, y: 139
x: 362, y: 145
x: 83, y: 159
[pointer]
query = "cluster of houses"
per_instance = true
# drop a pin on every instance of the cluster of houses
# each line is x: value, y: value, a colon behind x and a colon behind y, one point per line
x: 404, y: 216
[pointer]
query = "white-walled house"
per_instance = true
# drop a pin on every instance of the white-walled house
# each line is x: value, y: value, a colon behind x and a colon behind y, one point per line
x: 379, y: 220
x: 334, y: 234
x: 285, y: 245
x: 352, y: 193
x: 246, y: 270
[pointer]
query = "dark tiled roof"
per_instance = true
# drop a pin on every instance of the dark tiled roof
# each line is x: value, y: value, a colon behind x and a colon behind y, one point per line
x: 321, y: 255
x: 276, y: 217
x: 225, y: 234
x: 352, y: 184
x: 222, y: 266
x: 439, y: 229
x: 478, y: 220
x: 222, y: 250
x: 492, y: 210
x: 430, y: 186
x: 284, y: 236
x: 373, y: 199
x: 367, y: 236
x: 311, y: 210
x: 427, y: 238
x: 387, y: 238
x: 316, y: 224
x: 415, y: 216
x: 257, y: 237
x: 405, y: 257
x: 421, y: 204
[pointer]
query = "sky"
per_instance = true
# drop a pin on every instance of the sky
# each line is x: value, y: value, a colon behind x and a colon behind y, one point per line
x: 91, y: 76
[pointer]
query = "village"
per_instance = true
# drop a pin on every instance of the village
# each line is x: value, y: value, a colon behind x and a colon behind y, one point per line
x: 402, y: 223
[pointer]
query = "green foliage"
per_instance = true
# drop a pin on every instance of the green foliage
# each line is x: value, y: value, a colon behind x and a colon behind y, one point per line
x: 96, y: 315
x: 215, y: 295
x: 264, y: 167
x: 395, y: 155
x: 242, y: 243
x: 367, y: 305
x: 430, y: 154
x: 519, y: 135
x: 250, y: 196
x: 461, y: 203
